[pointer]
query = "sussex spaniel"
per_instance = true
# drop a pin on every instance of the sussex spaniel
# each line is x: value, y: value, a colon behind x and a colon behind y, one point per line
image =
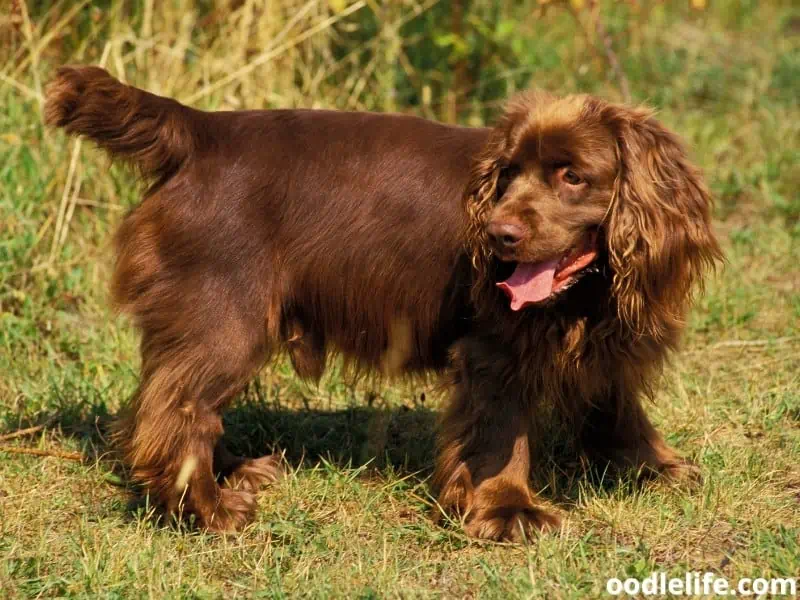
x: 549, y: 260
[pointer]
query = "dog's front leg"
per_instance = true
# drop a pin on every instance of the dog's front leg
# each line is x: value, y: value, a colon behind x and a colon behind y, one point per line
x: 484, y: 457
x: 617, y: 432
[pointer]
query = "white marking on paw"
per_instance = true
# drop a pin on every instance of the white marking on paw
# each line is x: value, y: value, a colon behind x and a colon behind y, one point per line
x: 187, y: 468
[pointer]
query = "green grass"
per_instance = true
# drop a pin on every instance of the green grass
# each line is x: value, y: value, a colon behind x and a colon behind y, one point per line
x: 352, y: 520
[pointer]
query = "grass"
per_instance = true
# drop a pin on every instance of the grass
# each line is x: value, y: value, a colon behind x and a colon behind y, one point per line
x: 352, y: 520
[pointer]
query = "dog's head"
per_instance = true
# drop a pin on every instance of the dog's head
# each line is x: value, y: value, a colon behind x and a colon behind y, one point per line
x: 575, y: 187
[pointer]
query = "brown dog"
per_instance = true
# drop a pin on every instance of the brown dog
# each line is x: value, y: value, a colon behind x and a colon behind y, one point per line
x: 550, y: 259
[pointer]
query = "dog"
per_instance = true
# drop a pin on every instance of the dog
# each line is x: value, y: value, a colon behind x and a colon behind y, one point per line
x: 546, y: 261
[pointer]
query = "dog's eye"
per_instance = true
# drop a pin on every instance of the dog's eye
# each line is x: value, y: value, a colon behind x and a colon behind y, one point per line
x: 571, y: 177
x: 505, y: 177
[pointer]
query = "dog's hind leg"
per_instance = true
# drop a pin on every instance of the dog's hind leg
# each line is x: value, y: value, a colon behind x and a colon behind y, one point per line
x: 173, y: 426
x: 205, y: 332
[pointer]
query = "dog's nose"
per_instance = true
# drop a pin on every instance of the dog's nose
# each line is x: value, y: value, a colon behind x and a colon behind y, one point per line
x: 505, y: 235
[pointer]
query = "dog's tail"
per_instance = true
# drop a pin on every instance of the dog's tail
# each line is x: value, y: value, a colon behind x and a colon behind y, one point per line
x: 155, y: 134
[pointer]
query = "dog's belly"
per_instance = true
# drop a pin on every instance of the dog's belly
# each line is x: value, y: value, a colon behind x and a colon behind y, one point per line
x: 393, y: 322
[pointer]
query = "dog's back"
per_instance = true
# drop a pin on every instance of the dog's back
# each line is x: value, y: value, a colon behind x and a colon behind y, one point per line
x: 327, y: 231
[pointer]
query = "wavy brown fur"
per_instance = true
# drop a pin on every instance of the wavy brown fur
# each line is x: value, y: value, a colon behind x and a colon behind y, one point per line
x: 314, y: 232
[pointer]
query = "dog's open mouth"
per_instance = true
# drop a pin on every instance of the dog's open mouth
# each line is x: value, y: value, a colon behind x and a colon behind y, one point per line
x: 533, y: 283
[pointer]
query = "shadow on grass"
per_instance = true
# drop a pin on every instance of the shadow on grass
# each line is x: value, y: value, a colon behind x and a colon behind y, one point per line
x: 402, y: 438
x: 399, y: 437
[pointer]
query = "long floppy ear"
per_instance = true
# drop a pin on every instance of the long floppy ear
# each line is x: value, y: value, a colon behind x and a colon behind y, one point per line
x: 660, y: 240
x: 479, y: 199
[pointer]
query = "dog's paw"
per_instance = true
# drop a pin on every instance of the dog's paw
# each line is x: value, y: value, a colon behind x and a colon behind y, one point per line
x: 233, y: 511
x: 682, y: 472
x: 511, y: 524
x: 253, y: 473
x: 501, y: 510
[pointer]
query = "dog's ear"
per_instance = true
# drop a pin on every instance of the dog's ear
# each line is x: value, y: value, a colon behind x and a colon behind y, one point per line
x: 660, y: 240
x: 479, y: 199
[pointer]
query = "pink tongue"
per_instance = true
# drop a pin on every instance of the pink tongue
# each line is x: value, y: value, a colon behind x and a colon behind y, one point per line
x: 529, y: 283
